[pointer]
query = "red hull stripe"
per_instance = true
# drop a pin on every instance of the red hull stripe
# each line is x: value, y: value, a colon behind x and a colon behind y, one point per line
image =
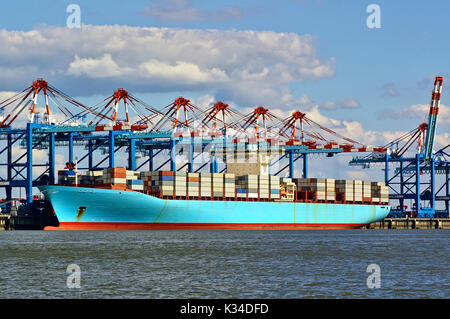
x: 180, y: 226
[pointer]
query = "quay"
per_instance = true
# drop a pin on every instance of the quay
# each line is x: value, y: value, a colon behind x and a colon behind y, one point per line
x: 26, y: 222
x: 411, y: 223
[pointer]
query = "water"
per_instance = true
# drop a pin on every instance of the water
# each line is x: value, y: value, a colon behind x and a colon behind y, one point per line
x: 225, y: 264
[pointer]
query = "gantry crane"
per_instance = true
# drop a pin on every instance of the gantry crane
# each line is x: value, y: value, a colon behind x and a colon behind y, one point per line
x: 407, y: 181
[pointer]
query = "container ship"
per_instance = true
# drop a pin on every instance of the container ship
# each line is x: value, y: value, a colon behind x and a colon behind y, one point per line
x: 119, y: 199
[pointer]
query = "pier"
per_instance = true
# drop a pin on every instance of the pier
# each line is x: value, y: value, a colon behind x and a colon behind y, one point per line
x: 27, y: 222
x: 411, y: 223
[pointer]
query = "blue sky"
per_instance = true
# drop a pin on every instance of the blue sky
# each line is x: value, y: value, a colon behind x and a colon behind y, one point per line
x: 384, y: 71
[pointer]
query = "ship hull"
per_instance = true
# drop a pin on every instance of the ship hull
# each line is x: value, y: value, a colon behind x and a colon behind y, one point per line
x: 79, y: 208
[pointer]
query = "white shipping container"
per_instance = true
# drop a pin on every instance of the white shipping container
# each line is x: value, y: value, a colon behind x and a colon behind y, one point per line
x: 193, y: 174
x: 205, y: 184
x: 118, y: 180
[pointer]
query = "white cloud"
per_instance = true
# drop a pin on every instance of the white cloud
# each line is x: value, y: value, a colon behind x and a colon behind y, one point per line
x: 102, y: 67
x: 442, y: 140
x: 329, y: 105
x: 6, y: 95
x: 355, y: 130
x: 418, y: 112
x: 106, y: 67
x: 205, y: 101
x: 245, y: 67
x: 349, y: 103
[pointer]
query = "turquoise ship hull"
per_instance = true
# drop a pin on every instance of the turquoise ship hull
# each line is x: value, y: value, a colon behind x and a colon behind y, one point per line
x: 79, y: 208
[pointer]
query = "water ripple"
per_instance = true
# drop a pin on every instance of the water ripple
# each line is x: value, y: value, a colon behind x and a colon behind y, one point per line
x: 225, y: 264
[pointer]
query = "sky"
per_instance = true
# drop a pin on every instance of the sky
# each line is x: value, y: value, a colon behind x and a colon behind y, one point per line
x: 317, y: 56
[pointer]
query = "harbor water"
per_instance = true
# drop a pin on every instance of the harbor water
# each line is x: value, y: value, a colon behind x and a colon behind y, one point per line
x: 225, y: 264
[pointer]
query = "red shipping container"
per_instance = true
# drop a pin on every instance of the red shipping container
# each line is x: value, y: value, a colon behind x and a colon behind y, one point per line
x: 120, y: 170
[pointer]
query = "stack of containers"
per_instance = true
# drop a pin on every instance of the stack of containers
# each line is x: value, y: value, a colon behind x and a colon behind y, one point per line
x: 303, y: 184
x: 132, y: 175
x: 241, y: 188
x: 164, y: 182
x: 134, y: 182
x: 251, y: 184
x: 331, y: 186
x: 274, y: 187
x: 263, y: 186
x: 96, y: 176
x: 106, y: 177
x: 137, y: 185
x: 229, y: 185
x: 115, y: 176
x: 193, y: 184
x: 66, y: 177
x: 367, y: 191
x: 217, y: 184
x: 380, y: 192
x: 146, y: 178
x: 205, y: 185
x: 180, y: 183
x: 375, y: 186
x: 84, y: 179
x: 346, y: 188
x: 318, y: 185
x: 358, y: 190
x: 384, y: 194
